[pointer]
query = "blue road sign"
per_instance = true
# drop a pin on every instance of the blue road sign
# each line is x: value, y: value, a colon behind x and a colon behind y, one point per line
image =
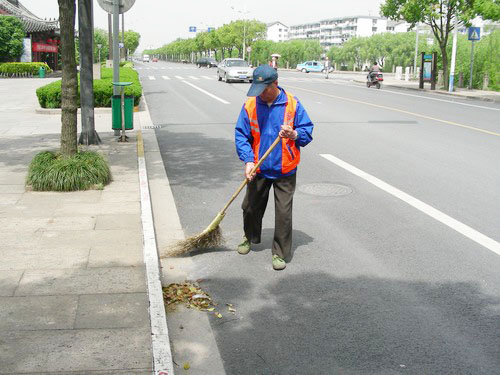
x: 192, y: 29
x: 211, y: 29
x: 474, y: 33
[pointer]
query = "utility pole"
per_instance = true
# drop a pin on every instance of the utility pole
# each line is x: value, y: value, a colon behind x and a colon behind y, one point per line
x: 123, y: 35
x: 116, y: 52
x: 453, y: 55
x: 416, y: 54
x: 110, y: 38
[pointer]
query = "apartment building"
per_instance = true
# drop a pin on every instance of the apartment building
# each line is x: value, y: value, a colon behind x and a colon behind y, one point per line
x: 277, y: 31
x: 335, y: 31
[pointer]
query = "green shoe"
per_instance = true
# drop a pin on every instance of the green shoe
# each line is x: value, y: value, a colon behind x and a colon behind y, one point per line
x: 278, y: 263
x: 244, y: 247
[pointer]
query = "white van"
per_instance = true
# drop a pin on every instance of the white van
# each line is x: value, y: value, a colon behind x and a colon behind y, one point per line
x: 145, y: 58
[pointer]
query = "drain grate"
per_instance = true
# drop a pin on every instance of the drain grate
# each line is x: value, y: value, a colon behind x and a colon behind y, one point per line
x: 325, y: 189
x: 152, y: 127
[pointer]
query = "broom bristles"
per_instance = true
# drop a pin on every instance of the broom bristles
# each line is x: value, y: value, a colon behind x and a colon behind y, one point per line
x: 205, y: 240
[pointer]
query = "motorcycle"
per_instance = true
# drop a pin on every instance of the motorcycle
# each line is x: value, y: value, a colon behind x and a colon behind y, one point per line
x: 374, y: 79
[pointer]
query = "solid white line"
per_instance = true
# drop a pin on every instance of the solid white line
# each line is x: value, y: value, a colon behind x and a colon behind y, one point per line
x: 162, y: 355
x: 456, y: 225
x: 418, y: 96
x: 193, y: 77
x: 165, y: 77
x: 179, y: 77
x: 152, y: 78
x: 206, y: 92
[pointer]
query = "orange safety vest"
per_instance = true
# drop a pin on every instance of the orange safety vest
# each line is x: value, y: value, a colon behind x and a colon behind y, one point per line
x: 290, y: 153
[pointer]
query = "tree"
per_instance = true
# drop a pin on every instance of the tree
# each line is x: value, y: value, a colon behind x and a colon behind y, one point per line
x: 11, y: 38
x: 69, y: 86
x: 101, y: 37
x: 132, y: 40
x: 438, y: 14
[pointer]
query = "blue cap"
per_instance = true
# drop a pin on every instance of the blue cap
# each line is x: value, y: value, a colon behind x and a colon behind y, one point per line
x: 263, y: 76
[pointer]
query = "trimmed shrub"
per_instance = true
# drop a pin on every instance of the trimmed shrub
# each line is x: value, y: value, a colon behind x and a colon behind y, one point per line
x: 23, y: 68
x: 49, y: 96
x: 49, y: 171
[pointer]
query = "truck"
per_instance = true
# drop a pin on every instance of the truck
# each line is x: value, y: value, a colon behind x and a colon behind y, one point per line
x: 145, y: 58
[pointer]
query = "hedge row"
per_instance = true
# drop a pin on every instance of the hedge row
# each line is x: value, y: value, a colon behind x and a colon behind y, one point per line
x: 49, y: 96
x: 23, y: 67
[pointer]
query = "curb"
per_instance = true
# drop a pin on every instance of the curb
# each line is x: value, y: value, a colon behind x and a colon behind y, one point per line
x: 57, y: 111
x: 445, y: 93
x: 160, y: 341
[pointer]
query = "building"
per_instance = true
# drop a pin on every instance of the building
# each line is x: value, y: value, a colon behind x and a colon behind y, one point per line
x: 336, y: 31
x: 42, y: 37
x: 277, y: 31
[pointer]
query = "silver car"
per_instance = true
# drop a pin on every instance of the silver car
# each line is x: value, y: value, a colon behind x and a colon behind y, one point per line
x: 231, y: 70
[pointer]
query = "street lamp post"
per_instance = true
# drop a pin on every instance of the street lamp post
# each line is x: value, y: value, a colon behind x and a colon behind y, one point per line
x: 244, y: 12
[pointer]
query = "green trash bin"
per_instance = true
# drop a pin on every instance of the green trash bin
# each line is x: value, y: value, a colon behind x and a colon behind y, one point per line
x: 41, y: 72
x: 117, y: 113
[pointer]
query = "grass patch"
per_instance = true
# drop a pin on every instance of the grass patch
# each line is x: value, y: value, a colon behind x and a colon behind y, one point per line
x: 49, y: 171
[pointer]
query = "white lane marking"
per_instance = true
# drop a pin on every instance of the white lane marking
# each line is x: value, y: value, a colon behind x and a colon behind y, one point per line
x: 165, y: 77
x: 454, y: 224
x: 163, y: 67
x: 206, y: 92
x: 208, y: 77
x: 179, y: 77
x: 152, y: 78
x: 193, y: 77
x: 418, y: 96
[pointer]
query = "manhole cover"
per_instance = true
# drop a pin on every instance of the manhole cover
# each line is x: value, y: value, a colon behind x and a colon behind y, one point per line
x: 325, y: 189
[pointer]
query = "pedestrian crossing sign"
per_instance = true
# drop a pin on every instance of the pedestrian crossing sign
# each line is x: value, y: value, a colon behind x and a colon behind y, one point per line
x: 474, y: 33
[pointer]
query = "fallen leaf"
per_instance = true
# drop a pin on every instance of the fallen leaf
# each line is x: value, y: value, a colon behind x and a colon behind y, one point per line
x: 186, y: 366
x: 218, y: 315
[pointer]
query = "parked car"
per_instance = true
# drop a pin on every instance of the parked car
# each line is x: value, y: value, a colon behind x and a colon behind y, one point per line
x: 206, y: 61
x: 311, y: 66
x: 234, y: 70
x: 155, y: 59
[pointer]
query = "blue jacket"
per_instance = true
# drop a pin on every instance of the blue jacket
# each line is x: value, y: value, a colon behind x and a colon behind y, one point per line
x: 270, y: 120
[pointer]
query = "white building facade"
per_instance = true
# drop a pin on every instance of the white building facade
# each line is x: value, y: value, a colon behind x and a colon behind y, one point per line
x: 277, y: 31
x: 336, y: 31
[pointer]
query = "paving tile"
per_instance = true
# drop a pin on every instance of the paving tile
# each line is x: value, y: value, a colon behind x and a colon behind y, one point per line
x: 75, y: 350
x: 10, y: 198
x: 37, y: 313
x: 9, y: 280
x: 102, y: 208
x: 122, y: 196
x: 82, y: 281
x: 36, y: 257
x: 113, y: 255
x: 124, y: 310
x: 129, y: 238
x: 115, y: 186
x: 128, y: 222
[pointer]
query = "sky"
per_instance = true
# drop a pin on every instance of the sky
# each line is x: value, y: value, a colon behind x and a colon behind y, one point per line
x: 161, y: 21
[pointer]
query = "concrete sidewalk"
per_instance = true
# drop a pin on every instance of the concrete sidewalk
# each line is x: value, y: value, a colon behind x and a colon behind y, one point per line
x: 73, y: 291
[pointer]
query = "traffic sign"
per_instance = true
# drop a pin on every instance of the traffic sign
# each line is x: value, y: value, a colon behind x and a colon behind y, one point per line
x: 107, y: 5
x: 211, y: 29
x: 249, y: 49
x: 474, y: 33
x: 192, y: 29
x: 120, y: 45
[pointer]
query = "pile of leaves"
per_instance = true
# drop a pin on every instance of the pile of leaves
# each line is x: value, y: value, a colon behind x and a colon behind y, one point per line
x: 191, y: 296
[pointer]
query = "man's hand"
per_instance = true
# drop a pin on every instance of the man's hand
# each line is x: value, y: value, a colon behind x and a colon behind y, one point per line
x: 288, y: 132
x: 248, y: 171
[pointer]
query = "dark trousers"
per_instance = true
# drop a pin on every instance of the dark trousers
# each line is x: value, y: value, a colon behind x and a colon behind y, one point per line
x: 254, y: 206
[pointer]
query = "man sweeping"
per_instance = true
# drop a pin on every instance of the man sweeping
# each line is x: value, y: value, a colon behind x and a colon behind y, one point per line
x: 270, y: 112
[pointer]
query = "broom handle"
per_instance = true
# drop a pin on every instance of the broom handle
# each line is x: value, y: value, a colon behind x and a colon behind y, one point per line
x: 243, y: 184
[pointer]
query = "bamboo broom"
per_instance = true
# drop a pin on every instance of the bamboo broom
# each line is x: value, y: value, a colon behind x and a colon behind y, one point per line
x: 212, y: 235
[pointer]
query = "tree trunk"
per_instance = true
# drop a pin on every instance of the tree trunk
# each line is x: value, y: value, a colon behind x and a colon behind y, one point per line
x: 69, y: 87
x: 88, y: 136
